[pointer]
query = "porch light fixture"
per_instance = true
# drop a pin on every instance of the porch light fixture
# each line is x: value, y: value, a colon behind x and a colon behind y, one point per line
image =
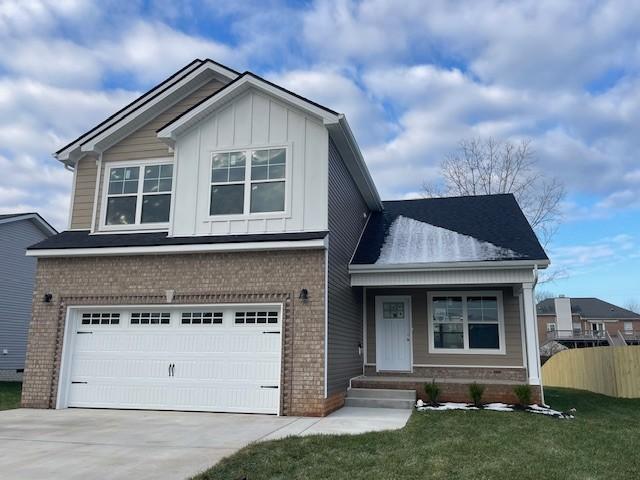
x: 47, y: 297
x: 304, y: 295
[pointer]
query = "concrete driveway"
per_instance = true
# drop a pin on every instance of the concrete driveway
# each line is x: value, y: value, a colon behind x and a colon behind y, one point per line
x: 127, y: 444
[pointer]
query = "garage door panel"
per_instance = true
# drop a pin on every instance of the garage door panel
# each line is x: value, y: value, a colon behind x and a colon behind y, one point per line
x: 227, y: 397
x: 221, y: 366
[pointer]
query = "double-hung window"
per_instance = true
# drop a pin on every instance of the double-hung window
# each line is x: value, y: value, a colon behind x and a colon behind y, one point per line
x: 462, y: 322
x: 139, y: 194
x: 248, y: 182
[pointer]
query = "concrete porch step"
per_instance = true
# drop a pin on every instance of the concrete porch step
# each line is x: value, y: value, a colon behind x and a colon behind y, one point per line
x: 381, y: 393
x: 380, y: 398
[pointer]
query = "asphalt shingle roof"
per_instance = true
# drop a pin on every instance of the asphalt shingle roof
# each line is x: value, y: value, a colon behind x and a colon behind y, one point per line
x: 82, y: 239
x: 590, y: 307
x: 496, y: 219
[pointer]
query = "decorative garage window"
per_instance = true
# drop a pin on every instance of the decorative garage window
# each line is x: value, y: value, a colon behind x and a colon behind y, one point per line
x: 138, y: 194
x: 260, y: 317
x: 150, y: 318
x: 201, y: 318
x: 100, y: 318
x: 248, y: 181
x: 462, y: 322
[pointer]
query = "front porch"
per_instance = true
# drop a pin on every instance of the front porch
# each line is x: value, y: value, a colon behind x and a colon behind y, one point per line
x: 454, y: 334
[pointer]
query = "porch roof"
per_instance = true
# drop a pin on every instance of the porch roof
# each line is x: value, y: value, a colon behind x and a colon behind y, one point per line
x: 486, y: 228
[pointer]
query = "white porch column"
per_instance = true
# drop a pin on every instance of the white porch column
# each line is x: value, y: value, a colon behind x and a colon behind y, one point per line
x: 530, y: 323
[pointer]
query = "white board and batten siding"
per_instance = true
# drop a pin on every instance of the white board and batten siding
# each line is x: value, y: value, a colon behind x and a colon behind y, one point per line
x: 253, y: 120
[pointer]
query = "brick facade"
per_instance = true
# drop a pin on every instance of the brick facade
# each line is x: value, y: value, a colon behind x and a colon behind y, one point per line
x: 453, y: 372
x: 247, y: 277
x: 452, y: 391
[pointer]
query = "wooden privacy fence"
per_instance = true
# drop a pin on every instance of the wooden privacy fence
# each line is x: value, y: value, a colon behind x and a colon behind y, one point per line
x: 613, y: 371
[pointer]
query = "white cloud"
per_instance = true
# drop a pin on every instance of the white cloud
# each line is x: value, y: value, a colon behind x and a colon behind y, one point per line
x: 152, y: 50
x: 337, y: 91
x: 589, y: 257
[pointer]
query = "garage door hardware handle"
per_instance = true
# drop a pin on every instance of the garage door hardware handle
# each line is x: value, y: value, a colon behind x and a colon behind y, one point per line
x: 81, y: 333
x: 268, y: 386
x: 172, y: 369
x: 79, y: 382
x: 270, y: 332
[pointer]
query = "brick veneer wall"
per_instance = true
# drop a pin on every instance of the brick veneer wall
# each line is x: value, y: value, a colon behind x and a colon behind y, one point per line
x: 454, y: 391
x: 247, y: 277
x: 466, y: 373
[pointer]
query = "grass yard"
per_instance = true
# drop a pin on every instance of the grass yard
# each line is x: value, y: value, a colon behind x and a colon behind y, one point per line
x: 603, y: 441
x: 10, y: 395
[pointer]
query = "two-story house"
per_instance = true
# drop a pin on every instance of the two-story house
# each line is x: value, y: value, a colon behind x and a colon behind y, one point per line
x: 228, y: 251
x: 17, y: 232
x: 585, y: 322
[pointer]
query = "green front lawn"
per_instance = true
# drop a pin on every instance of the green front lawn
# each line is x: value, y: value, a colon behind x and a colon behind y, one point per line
x: 603, y: 441
x: 10, y: 395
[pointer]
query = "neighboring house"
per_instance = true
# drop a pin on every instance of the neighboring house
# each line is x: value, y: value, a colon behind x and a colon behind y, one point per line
x: 229, y: 251
x: 17, y: 274
x: 585, y: 322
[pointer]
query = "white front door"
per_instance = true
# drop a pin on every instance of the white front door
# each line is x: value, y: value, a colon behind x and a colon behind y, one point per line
x: 393, y: 333
x: 219, y: 358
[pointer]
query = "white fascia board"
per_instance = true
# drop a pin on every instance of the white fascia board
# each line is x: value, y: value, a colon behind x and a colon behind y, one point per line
x: 36, y: 219
x: 122, y: 119
x: 181, y: 249
x: 170, y: 132
x: 488, y: 265
x: 458, y: 277
x: 347, y: 145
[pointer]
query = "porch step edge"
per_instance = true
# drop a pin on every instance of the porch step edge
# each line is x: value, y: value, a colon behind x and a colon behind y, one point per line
x: 397, y: 403
x: 381, y: 393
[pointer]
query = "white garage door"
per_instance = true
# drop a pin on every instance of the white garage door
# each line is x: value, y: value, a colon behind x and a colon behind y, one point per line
x: 205, y: 358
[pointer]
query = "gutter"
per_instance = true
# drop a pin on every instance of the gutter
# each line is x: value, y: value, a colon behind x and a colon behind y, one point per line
x: 437, y: 266
x: 179, y: 249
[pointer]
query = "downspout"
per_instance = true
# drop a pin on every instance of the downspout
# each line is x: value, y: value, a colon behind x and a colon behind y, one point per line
x: 537, y: 340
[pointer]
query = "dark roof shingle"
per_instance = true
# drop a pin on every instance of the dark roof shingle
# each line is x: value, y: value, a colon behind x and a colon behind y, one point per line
x: 496, y: 219
x: 590, y: 307
x: 82, y: 239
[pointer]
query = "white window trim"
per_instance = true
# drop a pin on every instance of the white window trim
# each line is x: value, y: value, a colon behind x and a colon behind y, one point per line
x: 465, y: 328
x: 139, y: 194
x: 247, y: 184
x: 550, y: 325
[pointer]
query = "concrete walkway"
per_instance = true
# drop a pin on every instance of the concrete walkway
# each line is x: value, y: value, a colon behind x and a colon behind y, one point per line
x: 128, y: 444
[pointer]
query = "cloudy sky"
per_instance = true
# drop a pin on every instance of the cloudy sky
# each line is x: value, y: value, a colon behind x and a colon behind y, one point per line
x: 413, y: 82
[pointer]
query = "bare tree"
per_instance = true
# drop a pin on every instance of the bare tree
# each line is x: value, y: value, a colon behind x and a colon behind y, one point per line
x: 544, y: 294
x: 632, y: 305
x: 486, y: 166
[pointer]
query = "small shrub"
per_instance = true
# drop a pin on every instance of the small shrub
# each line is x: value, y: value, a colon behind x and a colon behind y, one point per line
x: 475, y: 392
x: 523, y: 392
x: 433, y: 391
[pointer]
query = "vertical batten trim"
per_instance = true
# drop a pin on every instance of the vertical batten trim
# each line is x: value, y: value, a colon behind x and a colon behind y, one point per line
x: 96, y: 193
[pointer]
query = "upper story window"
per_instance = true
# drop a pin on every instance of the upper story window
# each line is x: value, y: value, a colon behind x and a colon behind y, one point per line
x: 462, y: 322
x: 248, y: 182
x: 139, y: 194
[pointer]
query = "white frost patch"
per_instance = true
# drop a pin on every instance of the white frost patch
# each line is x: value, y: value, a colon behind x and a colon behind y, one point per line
x: 544, y: 410
x: 499, y: 407
x: 496, y: 407
x: 448, y: 406
x: 411, y: 241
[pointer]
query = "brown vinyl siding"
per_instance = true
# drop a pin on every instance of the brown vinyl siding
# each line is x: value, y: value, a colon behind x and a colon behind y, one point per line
x: 347, y: 217
x: 86, y: 170
x: 421, y: 355
x: 143, y: 143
